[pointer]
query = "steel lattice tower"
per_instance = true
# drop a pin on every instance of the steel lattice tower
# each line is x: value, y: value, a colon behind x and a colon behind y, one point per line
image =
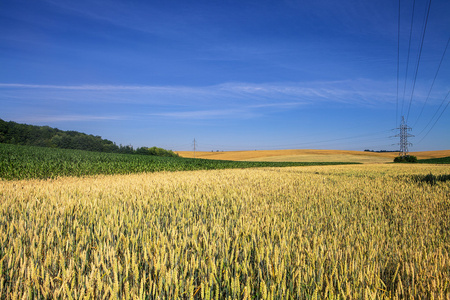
x: 404, y: 135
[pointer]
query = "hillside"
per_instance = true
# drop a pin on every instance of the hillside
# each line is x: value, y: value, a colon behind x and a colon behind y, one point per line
x: 310, y: 155
x: 45, y: 136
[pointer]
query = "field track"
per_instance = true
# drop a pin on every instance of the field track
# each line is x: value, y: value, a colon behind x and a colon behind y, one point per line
x: 308, y: 155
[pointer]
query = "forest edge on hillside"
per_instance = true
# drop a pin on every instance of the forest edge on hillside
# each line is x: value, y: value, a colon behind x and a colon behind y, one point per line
x: 45, y: 136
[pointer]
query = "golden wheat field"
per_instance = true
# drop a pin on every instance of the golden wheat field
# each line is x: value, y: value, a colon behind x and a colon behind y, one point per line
x: 335, y: 232
x: 311, y: 155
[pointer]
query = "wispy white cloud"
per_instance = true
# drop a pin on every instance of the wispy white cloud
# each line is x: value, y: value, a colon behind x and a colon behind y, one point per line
x: 90, y: 87
x: 279, y: 104
x: 67, y: 118
x: 355, y: 92
x: 69, y: 103
x: 143, y: 18
x: 207, y: 114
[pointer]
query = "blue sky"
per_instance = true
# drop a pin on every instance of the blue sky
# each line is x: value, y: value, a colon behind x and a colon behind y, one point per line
x: 234, y: 75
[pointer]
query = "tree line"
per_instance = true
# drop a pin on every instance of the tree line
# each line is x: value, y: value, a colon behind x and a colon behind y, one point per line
x: 45, y: 136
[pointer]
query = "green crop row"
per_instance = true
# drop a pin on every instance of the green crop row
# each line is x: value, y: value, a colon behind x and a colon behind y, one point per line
x: 27, y: 162
x: 441, y: 160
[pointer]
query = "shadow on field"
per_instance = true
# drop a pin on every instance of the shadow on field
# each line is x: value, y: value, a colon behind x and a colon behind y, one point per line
x: 431, y: 179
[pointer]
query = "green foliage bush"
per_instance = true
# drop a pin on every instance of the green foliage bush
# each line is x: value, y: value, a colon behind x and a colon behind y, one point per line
x: 405, y: 159
x: 155, y: 151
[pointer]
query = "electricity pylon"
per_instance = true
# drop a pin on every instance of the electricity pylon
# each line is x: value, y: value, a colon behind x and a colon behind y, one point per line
x: 404, y: 135
x: 194, y: 147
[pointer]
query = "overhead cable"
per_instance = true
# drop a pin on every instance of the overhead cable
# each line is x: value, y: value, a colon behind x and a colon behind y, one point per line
x: 409, y: 50
x: 432, y: 84
x: 398, y: 60
x: 442, y: 112
x: 418, y: 60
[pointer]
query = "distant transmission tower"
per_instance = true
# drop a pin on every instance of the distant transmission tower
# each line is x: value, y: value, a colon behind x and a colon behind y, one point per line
x: 404, y: 135
x: 194, y: 147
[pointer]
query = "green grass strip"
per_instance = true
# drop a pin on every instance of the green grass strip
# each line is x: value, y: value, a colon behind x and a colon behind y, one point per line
x: 441, y: 160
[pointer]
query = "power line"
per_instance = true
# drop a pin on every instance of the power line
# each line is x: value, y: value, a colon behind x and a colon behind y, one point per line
x: 418, y: 60
x: 398, y: 60
x: 409, y: 50
x: 437, y: 110
x: 443, y: 101
x: 432, y: 84
x: 438, y: 117
x: 266, y: 147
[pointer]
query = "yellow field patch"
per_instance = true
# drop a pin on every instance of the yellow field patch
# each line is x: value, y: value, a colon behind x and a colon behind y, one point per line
x: 309, y: 155
x: 323, y: 158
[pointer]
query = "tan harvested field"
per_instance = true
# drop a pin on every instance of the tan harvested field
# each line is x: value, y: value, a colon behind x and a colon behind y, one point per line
x: 328, y: 158
x: 318, y: 232
x: 308, y: 155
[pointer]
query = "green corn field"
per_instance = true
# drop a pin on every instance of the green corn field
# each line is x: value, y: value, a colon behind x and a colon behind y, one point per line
x: 28, y: 162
